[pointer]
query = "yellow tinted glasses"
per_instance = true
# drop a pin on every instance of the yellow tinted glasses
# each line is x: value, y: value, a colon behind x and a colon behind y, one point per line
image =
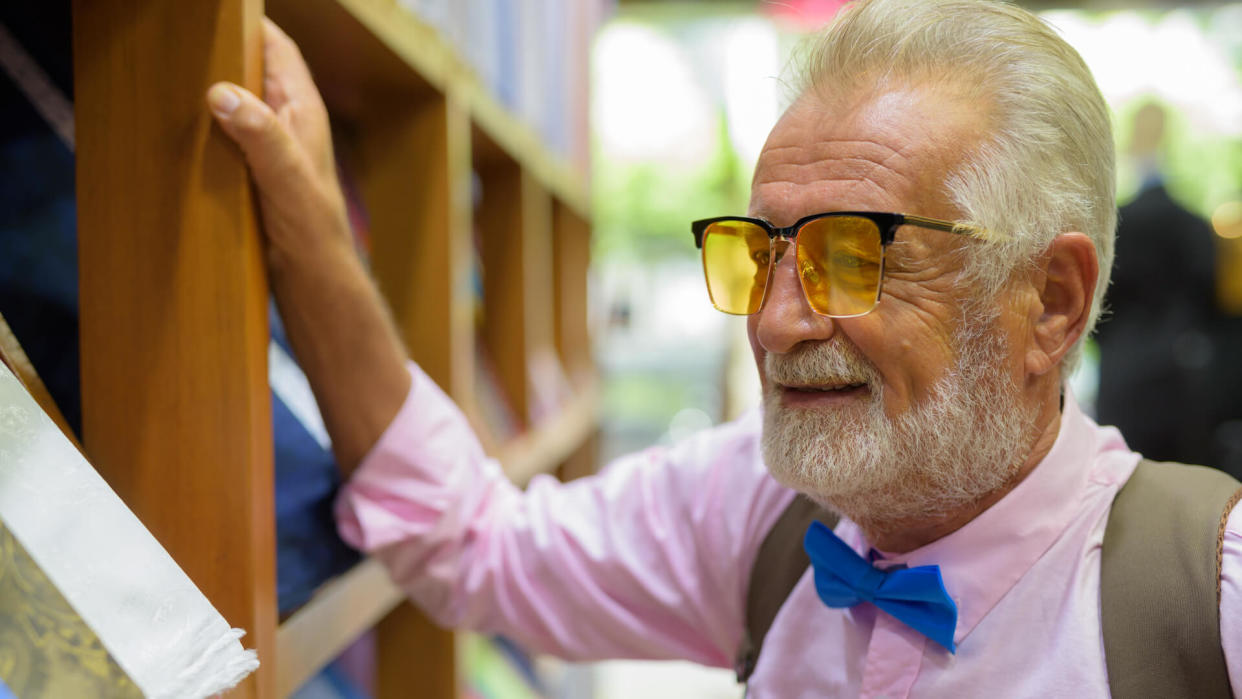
x: 839, y: 255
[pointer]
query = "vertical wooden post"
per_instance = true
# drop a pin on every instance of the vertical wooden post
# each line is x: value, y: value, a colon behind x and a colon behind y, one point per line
x: 415, y: 176
x: 415, y: 164
x: 416, y: 659
x: 175, y: 402
x: 502, y: 230
x: 572, y: 260
x: 516, y: 223
x: 537, y: 265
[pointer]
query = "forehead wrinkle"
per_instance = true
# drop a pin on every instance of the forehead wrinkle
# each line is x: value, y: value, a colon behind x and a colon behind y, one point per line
x: 825, y: 150
x: 761, y: 207
x: 769, y: 200
x: 870, y: 162
x: 844, y: 170
x: 885, y: 153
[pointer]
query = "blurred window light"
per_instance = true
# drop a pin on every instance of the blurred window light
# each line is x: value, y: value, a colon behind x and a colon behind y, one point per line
x: 1169, y: 56
x: 751, y: 68
x: 647, y: 102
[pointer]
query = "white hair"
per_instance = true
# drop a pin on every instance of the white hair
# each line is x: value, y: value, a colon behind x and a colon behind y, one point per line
x: 1045, y: 162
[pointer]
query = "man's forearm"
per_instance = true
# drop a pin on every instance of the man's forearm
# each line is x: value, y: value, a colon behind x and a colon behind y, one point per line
x: 344, y: 339
x: 339, y: 327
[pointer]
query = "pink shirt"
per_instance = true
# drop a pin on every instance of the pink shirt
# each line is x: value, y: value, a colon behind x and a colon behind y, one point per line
x: 651, y: 558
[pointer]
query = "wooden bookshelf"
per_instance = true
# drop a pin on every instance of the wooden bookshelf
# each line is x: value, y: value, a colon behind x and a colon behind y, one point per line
x: 354, y: 602
x: 347, y: 607
x: 174, y: 296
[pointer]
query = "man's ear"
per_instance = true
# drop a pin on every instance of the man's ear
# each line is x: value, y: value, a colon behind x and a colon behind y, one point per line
x: 1069, y: 270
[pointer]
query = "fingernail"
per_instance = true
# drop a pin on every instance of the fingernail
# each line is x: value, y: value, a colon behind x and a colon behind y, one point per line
x: 222, y: 99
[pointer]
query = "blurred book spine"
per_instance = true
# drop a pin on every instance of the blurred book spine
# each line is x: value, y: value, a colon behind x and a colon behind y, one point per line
x: 532, y: 56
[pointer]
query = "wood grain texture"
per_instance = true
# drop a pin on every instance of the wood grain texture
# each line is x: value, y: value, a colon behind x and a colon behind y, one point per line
x: 414, y: 169
x: 175, y: 404
x: 515, y: 222
x: 571, y: 264
x: 363, y: 52
x: 537, y: 261
x: 416, y: 658
x: 359, y: 74
x: 503, y: 231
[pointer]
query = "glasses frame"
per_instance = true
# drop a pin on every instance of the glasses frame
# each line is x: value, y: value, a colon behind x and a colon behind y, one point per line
x: 886, y: 224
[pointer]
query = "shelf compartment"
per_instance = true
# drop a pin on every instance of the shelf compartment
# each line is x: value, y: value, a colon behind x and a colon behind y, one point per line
x: 369, y: 55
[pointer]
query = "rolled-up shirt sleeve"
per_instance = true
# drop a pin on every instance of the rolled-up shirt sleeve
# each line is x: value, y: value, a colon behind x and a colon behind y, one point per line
x: 648, y: 559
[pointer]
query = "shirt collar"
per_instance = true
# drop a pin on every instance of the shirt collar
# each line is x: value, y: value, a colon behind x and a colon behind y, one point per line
x: 984, y: 559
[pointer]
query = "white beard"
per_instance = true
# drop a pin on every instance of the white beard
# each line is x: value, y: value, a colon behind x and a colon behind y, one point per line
x: 966, y: 440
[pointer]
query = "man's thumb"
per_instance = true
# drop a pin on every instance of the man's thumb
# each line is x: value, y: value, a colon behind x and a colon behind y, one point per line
x: 252, y: 124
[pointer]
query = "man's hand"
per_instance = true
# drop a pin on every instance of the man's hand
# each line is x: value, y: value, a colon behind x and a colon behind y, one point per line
x: 339, y: 328
x: 288, y: 145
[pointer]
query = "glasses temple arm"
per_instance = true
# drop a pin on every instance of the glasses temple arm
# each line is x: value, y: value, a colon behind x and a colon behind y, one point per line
x: 948, y: 227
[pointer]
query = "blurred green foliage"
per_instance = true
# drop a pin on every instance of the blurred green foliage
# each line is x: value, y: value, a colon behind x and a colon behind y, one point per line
x: 643, y: 209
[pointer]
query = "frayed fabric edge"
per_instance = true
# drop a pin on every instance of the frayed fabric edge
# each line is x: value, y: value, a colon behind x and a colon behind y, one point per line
x: 222, y: 665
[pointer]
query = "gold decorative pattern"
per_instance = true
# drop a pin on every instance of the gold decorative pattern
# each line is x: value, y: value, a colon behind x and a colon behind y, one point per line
x: 46, y: 650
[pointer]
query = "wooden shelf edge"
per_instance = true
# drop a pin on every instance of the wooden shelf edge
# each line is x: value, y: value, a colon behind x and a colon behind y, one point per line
x: 440, y: 65
x: 340, y: 612
x: 520, y: 142
x: 543, y: 448
x: 415, y: 41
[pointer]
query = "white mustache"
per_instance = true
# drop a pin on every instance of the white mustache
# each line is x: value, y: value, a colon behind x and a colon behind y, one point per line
x: 832, y: 362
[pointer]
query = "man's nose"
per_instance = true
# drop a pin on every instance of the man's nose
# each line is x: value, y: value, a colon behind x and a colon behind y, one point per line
x: 786, y: 319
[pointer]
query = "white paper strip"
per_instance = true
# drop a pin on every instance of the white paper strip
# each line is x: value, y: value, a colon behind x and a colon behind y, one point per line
x: 149, y: 615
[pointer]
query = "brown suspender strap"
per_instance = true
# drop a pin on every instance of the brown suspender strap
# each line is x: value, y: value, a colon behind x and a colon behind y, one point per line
x: 1160, y: 582
x: 779, y: 565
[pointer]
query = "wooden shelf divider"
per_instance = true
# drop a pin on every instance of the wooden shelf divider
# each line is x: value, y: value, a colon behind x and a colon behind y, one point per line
x: 543, y: 448
x: 174, y: 296
x: 345, y: 608
x: 359, y: 50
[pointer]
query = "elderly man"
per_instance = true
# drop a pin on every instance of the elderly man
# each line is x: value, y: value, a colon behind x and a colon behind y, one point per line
x: 927, y: 246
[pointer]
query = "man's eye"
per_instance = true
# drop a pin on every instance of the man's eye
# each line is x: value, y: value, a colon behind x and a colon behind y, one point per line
x: 845, y: 260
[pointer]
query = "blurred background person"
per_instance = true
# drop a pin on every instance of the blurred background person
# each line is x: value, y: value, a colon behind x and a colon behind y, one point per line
x: 1157, y: 348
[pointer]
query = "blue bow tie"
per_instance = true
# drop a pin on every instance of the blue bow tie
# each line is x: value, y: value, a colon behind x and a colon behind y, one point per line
x: 914, y: 596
